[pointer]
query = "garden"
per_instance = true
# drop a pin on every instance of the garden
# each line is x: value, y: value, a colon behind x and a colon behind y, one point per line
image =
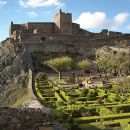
x: 81, y: 108
x: 87, y: 106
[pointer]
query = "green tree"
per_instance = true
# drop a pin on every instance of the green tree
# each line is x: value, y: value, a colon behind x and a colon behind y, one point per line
x: 113, y: 62
x: 60, y: 64
x: 84, y: 64
x: 122, y: 86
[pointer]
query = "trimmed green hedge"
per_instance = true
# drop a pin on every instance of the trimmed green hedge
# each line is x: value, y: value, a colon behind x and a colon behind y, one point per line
x: 81, y: 99
x: 104, y: 123
x: 58, y: 97
x: 64, y: 95
x: 105, y: 118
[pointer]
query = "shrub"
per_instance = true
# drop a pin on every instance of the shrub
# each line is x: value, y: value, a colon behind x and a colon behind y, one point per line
x: 43, y: 101
x: 65, y: 116
x: 84, y: 92
x: 126, y: 108
x: 123, y: 99
x: 70, y: 120
x: 71, y: 101
x: 91, y: 96
x: 86, y: 114
x: 74, y: 127
x: 116, y: 98
x: 49, y: 92
x: 95, y: 93
x: 105, y: 96
x: 121, y: 109
x: 116, y: 110
x: 93, y: 111
x: 60, y: 103
x: 104, y: 111
x: 76, y: 113
x: 106, y: 91
x: 81, y: 99
x: 99, y: 101
x: 89, y: 112
x: 105, y: 100
x: 108, y: 86
x: 105, y: 118
x: 73, y: 94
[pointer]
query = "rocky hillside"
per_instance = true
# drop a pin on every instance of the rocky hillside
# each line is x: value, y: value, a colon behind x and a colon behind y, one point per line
x: 13, y: 72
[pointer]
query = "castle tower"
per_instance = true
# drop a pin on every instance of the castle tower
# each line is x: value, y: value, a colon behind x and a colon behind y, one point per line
x: 11, y: 29
x: 63, y: 22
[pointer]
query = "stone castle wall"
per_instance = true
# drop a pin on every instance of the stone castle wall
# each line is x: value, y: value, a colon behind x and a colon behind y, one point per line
x: 27, y: 119
x: 42, y: 27
x: 71, y: 45
x: 57, y: 47
x: 62, y: 35
x: 62, y: 25
x: 71, y: 38
x: 24, y: 119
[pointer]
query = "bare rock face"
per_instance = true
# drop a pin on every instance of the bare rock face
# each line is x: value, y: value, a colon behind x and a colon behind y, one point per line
x: 13, y: 67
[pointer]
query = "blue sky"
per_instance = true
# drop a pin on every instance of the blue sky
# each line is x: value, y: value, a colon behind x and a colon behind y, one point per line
x: 92, y: 15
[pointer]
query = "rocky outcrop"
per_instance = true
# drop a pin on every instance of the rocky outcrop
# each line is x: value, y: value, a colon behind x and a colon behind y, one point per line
x: 13, y: 71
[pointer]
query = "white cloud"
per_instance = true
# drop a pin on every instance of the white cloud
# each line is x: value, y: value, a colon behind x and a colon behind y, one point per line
x: 40, y: 3
x: 120, y: 19
x: 98, y: 20
x: 32, y: 14
x: 2, y: 3
x: 91, y: 20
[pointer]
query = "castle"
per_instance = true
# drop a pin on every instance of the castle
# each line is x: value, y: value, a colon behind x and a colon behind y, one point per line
x: 61, y: 35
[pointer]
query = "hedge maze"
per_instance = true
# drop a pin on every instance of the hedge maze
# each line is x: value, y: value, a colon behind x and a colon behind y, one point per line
x: 86, y: 109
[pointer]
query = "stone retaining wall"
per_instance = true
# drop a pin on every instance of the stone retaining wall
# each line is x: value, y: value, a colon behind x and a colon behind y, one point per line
x: 27, y: 119
x: 30, y: 85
